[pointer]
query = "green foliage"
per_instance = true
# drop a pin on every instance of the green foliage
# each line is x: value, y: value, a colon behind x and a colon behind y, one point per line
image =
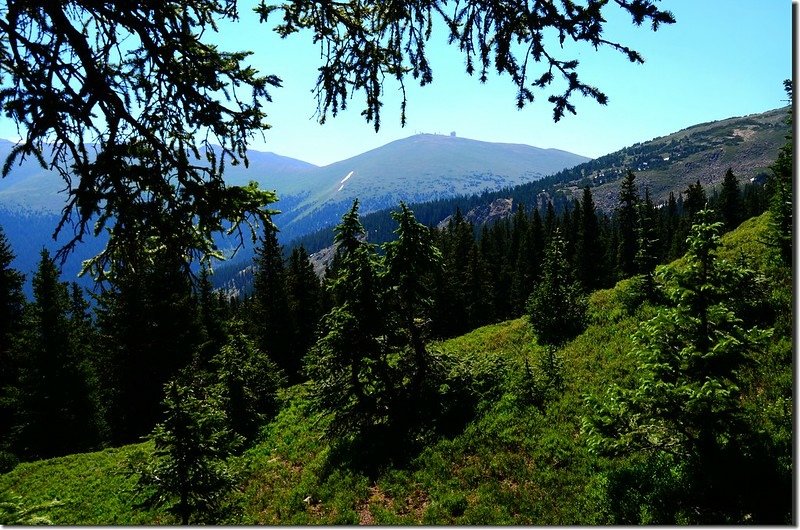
x: 12, y: 303
x: 380, y: 43
x: 270, y: 315
x: 304, y: 294
x: 506, y: 460
x: 14, y: 512
x: 410, y: 263
x: 781, y: 184
x: 141, y: 134
x: 730, y: 202
x: 134, y: 365
x: 627, y: 220
x: 348, y: 363
x: 248, y: 382
x: 685, y: 403
x: 55, y: 413
x: 557, y: 307
x: 188, y: 473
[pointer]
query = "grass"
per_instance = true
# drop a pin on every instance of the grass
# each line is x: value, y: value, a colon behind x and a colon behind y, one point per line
x: 94, y: 488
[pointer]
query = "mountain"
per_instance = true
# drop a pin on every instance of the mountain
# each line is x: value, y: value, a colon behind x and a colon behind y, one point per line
x: 748, y: 145
x: 30, y: 187
x: 419, y: 168
x: 704, y: 152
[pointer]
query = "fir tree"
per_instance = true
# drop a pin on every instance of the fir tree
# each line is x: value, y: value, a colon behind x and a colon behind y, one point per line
x: 730, y: 201
x: 248, y: 381
x: 589, y: 261
x: 12, y: 304
x: 188, y: 472
x: 411, y: 259
x: 646, y: 258
x: 211, y: 319
x: 684, y: 407
x: 781, y: 186
x: 556, y: 308
x: 347, y: 365
x: 304, y: 295
x: 695, y: 200
x: 150, y: 329
x: 271, y: 320
x: 55, y: 414
x: 627, y: 222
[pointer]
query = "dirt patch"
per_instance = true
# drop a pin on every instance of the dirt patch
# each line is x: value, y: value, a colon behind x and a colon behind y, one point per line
x: 414, y: 505
x: 745, y: 134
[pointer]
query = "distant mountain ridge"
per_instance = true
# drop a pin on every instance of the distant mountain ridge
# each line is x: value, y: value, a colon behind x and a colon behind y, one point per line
x: 418, y: 168
x: 748, y: 145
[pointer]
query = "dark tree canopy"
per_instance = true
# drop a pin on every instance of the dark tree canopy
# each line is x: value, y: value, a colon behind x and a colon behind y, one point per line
x: 363, y: 43
x: 140, y: 114
x: 126, y: 102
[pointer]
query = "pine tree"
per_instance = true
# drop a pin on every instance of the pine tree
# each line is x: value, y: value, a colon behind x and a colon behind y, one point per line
x: 781, y: 186
x: 556, y: 308
x: 450, y: 300
x: 684, y: 407
x: 347, y: 365
x: 589, y: 261
x: 248, y: 381
x: 646, y: 257
x: 730, y: 201
x: 411, y: 259
x: 304, y: 295
x: 55, y: 414
x: 627, y: 222
x: 211, y: 319
x: 695, y: 200
x: 271, y: 320
x: 12, y: 304
x: 188, y: 472
x: 150, y: 330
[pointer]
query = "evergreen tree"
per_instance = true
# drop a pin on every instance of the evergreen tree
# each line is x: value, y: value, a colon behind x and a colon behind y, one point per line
x: 188, y: 472
x: 348, y: 365
x: 537, y: 239
x: 304, y: 296
x: 271, y: 319
x: 781, y: 201
x: 685, y: 407
x: 411, y: 259
x: 150, y: 329
x: 730, y: 201
x: 476, y: 290
x: 556, y: 308
x: 211, y: 319
x: 450, y: 301
x: 12, y: 304
x: 55, y: 414
x: 627, y: 222
x: 248, y: 382
x: 590, y: 264
x: 646, y: 242
x: 695, y: 201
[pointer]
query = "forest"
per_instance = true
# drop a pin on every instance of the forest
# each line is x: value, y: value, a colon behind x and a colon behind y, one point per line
x: 202, y: 376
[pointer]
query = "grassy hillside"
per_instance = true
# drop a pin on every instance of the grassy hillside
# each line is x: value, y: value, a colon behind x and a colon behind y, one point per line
x: 747, y: 145
x: 520, y: 460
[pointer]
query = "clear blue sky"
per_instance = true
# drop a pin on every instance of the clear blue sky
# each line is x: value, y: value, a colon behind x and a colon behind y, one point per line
x: 722, y: 58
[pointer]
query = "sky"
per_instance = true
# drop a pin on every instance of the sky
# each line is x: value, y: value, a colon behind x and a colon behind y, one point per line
x: 722, y: 58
